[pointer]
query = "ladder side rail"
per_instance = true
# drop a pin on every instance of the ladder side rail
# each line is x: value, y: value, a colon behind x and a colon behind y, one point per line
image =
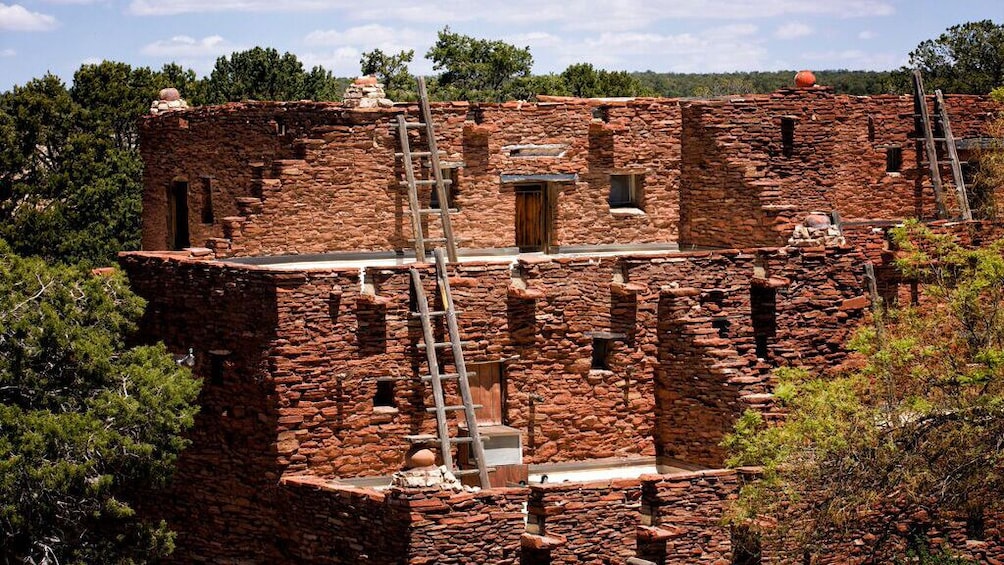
x: 442, y: 426
x: 953, y: 155
x: 437, y: 171
x: 461, y: 368
x: 409, y: 173
x: 920, y: 105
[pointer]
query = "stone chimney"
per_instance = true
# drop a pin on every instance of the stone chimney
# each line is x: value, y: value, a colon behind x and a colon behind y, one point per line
x: 366, y: 92
x: 169, y: 101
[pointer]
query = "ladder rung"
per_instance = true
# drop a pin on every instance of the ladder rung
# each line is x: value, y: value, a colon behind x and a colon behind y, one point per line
x: 465, y: 472
x: 429, y: 182
x: 430, y: 240
x: 414, y: 125
x: 432, y: 314
x: 443, y: 377
x: 421, y: 438
x: 437, y: 210
x: 461, y: 440
x: 419, y: 154
x: 453, y: 408
x: 443, y: 344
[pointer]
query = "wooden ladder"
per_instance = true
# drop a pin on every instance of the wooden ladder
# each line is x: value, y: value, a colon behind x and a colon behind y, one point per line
x: 932, y: 132
x: 438, y: 183
x: 437, y: 378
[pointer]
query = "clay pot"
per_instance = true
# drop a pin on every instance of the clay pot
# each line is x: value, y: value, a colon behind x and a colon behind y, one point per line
x: 420, y: 459
x: 817, y: 220
x: 368, y: 80
x: 170, y: 94
x: 805, y: 79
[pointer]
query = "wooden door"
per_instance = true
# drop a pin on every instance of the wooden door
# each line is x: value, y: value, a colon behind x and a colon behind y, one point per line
x: 530, y: 218
x: 485, y: 381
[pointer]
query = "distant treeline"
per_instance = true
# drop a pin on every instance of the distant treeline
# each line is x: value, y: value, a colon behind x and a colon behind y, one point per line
x: 721, y: 84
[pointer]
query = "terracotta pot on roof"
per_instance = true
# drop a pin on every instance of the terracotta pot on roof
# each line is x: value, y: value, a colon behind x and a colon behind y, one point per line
x: 805, y: 79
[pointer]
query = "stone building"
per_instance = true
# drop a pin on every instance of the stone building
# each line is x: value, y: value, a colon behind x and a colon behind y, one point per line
x: 631, y: 271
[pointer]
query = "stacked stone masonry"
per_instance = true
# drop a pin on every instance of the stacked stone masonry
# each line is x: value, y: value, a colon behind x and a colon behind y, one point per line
x: 300, y: 178
x: 312, y: 373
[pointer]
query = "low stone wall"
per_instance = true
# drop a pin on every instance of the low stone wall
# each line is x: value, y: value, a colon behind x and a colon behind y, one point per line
x: 334, y: 524
x: 582, y: 522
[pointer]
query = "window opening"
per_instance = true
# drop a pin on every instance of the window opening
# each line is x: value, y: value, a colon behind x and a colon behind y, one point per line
x: 763, y: 306
x: 893, y: 159
x: 787, y: 136
x: 216, y: 365
x: 384, y: 394
x: 601, y: 354
x: 625, y: 191
x: 452, y: 175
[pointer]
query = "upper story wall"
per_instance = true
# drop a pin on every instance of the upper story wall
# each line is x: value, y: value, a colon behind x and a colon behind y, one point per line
x: 268, y: 178
x: 753, y: 167
x: 310, y: 178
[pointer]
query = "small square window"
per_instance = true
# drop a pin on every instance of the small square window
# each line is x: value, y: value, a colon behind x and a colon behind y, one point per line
x: 625, y: 191
x: 453, y: 176
x: 893, y: 159
x: 601, y: 353
x: 384, y: 394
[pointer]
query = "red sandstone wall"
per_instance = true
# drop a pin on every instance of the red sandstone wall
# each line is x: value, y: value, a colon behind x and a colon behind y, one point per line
x: 738, y: 187
x: 333, y: 524
x: 330, y: 183
x: 681, y: 368
x: 223, y: 493
x: 222, y: 143
x: 595, y: 522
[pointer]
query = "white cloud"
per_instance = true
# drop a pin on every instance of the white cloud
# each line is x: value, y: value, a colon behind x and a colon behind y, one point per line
x: 857, y: 59
x: 185, y: 47
x: 16, y: 17
x: 171, y: 7
x: 867, y: 34
x: 4, y: 53
x: 793, y: 30
x: 571, y: 14
x: 720, y: 49
x: 369, y: 36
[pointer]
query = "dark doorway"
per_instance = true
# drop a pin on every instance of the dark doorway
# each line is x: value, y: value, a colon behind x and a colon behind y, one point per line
x: 177, y: 215
x: 531, y: 218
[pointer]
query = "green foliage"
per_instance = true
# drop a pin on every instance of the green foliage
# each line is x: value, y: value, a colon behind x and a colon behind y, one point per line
x: 967, y: 58
x: 918, y: 426
x: 585, y: 81
x: 264, y: 74
x: 477, y: 69
x: 392, y: 71
x: 70, y: 174
x: 705, y: 85
x: 85, y: 421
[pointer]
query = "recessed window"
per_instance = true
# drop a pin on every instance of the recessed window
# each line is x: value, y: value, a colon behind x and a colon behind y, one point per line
x: 871, y: 129
x: 763, y: 306
x: 787, y: 136
x: 544, y: 150
x: 722, y: 325
x: 602, y: 113
x: 601, y: 354
x: 384, y: 394
x: 893, y: 159
x: 453, y: 176
x: 626, y: 191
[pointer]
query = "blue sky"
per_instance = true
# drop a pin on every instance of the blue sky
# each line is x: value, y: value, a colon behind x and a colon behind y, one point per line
x: 660, y: 35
